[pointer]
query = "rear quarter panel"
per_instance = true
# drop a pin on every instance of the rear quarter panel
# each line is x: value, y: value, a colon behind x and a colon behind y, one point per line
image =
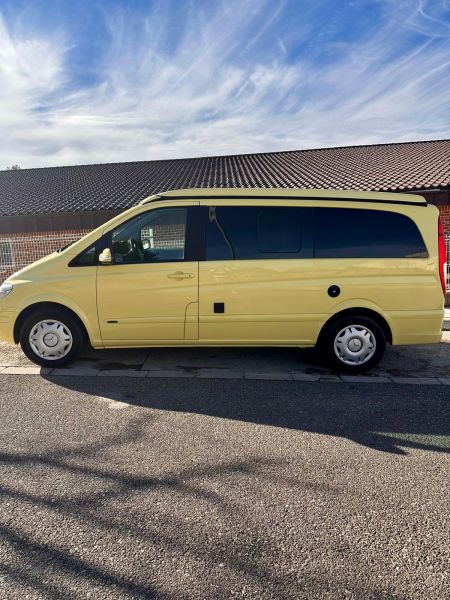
x: 287, y: 301
x: 405, y: 291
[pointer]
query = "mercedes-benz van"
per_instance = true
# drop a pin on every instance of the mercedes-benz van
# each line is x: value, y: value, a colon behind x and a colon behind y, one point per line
x: 345, y: 271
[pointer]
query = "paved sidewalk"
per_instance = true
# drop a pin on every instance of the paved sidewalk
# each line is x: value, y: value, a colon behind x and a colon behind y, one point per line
x: 402, y: 364
x: 446, y: 324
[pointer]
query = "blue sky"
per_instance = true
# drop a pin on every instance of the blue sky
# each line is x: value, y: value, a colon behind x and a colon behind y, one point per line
x: 103, y: 81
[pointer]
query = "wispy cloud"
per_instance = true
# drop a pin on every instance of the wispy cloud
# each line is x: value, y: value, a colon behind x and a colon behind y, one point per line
x: 226, y: 77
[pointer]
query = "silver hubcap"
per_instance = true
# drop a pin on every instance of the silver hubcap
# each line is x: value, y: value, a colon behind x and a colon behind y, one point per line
x: 355, y: 345
x: 51, y: 339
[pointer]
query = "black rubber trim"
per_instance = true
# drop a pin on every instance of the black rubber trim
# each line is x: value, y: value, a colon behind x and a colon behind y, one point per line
x: 260, y: 197
x: 194, y: 238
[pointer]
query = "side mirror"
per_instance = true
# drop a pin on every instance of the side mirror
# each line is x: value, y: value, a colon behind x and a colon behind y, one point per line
x: 105, y: 257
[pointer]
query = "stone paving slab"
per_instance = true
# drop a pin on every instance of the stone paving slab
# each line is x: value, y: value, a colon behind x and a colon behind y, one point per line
x: 416, y: 380
x: 170, y: 374
x: 27, y: 370
x: 206, y: 374
x: 123, y: 373
x: 269, y: 375
x: 402, y: 364
x: 77, y: 372
x: 446, y: 323
x: 330, y: 378
x: 305, y: 377
x: 365, y: 379
x: 218, y: 374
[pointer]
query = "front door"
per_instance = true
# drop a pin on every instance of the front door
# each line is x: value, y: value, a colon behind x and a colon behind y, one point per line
x: 150, y: 291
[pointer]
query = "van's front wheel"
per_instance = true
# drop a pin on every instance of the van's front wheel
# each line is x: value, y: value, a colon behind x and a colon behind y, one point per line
x: 353, y: 344
x: 51, y: 338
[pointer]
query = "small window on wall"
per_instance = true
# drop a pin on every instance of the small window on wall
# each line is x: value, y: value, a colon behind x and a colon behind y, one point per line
x: 6, y: 254
x: 155, y: 236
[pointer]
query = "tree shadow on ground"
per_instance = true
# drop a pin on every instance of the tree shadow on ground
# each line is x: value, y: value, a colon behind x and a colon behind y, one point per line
x: 386, y: 417
x: 55, y: 567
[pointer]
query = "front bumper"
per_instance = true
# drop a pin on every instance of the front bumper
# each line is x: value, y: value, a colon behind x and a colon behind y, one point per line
x: 7, y: 320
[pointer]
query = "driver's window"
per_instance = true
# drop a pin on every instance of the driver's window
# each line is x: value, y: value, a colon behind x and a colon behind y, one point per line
x: 156, y: 236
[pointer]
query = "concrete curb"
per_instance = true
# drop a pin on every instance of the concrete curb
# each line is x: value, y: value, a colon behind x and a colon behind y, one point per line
x: 446, y: 321
x: 228, y: 374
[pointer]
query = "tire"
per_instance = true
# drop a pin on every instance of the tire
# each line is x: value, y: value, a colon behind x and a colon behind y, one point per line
x: 353, y: 344
x: 52, y: 337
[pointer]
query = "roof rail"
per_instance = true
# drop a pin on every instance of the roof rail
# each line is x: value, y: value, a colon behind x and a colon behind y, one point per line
x: 287, y: 194
x: 150, y: 199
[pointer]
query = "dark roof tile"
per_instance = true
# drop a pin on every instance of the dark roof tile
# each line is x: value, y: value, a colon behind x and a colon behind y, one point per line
x: 391, y: 167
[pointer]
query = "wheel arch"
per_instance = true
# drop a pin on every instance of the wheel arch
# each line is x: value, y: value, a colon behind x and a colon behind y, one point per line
x: 30, y: 309
x: 360, y: 311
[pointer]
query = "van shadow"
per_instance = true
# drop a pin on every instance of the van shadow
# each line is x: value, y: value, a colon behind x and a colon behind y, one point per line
x: 386, y: 417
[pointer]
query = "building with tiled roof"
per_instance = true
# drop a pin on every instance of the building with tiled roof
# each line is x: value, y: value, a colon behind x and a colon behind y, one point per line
x: 61, y: 203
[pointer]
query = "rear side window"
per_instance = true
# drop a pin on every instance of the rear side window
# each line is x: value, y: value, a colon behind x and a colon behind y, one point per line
x: 356, y: 233
x: 252, y: 232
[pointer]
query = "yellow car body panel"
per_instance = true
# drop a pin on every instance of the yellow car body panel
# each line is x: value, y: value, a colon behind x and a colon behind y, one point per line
x: 268, y: 302
x: 51, y: 280
x: 284, y: 302
x: 156, y: 310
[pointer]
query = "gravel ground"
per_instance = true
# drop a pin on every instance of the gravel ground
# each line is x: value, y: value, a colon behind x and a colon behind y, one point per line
x: 183, y: 489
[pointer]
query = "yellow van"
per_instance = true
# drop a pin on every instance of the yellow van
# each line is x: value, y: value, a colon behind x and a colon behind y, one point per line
x: 344, y: 271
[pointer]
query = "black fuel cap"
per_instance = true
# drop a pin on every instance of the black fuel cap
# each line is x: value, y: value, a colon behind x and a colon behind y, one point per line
x: 334, y: 291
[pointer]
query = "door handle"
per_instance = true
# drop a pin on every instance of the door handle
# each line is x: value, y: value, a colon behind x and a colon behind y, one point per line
x: 180, y: 275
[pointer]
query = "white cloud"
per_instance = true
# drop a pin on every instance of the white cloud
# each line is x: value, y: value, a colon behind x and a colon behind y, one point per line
x: 212, y: 93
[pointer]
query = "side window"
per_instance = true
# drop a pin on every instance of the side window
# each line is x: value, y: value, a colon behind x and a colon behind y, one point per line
x: 358, y: 233
x: 252, y: 232
x: 155, y: 236
x: 279, y: 231
x: 87, y: 258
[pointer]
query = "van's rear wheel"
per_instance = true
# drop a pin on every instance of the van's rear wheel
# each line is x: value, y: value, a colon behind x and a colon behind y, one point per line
x: 51, y: 337
x: 353, y: 344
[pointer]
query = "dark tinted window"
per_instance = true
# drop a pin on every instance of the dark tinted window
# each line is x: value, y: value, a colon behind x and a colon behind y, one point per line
x: 355, y: 233
x: 247, y: 232
x: 87, y: 258
x: 279, y: 231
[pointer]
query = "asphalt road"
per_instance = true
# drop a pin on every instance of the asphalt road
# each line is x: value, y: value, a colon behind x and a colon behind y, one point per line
x: 208, y: 489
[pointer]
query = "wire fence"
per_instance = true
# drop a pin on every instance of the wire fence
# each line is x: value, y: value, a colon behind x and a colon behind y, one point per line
x: 18, y: 251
